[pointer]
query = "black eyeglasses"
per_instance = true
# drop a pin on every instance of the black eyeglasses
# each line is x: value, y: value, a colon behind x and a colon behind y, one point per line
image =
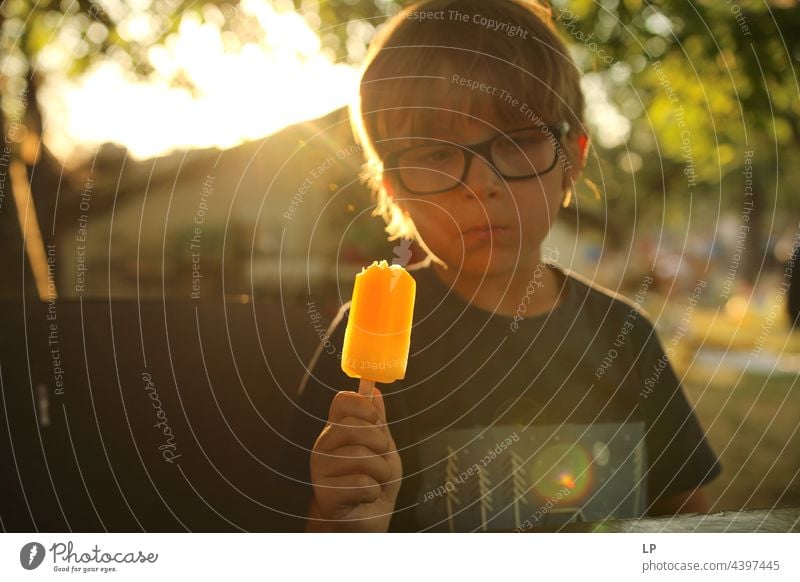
x: 440, y: 166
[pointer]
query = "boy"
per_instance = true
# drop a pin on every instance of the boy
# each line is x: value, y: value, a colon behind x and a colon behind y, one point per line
x: 532, y: 397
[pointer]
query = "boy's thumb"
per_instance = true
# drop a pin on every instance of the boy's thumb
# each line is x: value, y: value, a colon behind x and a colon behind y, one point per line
x: 377, y: 399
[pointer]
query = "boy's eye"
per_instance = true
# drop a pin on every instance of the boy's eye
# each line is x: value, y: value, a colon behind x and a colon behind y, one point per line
x: 429, y: 155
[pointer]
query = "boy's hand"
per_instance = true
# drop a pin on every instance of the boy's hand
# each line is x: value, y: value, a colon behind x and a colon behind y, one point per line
x: 355, y: 467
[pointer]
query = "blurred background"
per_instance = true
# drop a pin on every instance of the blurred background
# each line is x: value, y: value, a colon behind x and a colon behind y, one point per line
x: 202, y: 151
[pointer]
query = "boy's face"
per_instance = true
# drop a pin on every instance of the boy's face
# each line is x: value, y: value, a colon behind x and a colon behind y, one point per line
x: 487, y: 225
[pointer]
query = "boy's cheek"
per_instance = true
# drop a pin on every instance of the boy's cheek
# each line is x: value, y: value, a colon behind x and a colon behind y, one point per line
x: 432, y: 219
x: 441, y: 236
x: 436, y: 235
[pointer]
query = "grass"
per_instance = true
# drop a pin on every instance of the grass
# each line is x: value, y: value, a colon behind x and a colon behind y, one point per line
x: 740, y: 366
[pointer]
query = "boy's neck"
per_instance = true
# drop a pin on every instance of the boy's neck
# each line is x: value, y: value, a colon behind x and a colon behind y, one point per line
x: 503, y: 294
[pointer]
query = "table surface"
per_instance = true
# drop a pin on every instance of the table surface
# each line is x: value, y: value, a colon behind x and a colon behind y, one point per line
x: 782, y: 520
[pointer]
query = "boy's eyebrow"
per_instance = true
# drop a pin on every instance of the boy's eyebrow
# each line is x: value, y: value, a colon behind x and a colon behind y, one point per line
x: 410, y: 140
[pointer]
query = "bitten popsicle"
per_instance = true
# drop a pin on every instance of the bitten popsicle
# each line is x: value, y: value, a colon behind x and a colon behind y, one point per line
x: 378, y: 333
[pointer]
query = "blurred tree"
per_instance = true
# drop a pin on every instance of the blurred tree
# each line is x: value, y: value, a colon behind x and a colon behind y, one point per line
x: 46, y: 37
x: 711, y: 90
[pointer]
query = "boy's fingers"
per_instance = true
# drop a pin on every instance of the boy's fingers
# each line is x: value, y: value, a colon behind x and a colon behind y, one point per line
x: 349, y: 490
x: 351, y: 422
x: 377, y: 399
x: 347, y: 403
x: 355, y: 460
x: 367, y: 435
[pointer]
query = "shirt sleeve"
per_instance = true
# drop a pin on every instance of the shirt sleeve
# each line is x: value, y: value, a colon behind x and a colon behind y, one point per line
x: 679, y: 456
x: 309, y: 416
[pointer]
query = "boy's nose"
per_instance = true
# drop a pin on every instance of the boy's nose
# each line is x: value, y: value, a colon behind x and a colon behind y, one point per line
x: 482, y: 180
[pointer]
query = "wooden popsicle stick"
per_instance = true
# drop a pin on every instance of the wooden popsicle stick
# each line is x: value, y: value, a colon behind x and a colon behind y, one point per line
x: 365, y: 387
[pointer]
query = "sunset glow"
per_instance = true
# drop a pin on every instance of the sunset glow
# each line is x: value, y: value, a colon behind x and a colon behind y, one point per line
x: 241, y: 93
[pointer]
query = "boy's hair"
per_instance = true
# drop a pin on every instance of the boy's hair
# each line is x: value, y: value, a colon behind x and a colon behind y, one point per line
x: 426, y: 65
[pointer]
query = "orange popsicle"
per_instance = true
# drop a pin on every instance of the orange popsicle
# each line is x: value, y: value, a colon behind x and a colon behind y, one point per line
x: 378, y: 333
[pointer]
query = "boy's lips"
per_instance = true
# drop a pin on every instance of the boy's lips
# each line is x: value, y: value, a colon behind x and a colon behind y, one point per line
x: 484, y: 232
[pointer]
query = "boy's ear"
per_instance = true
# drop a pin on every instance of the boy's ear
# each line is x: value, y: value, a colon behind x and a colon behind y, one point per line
x: 582, y: 142
x: 386, y: 184
x: 583, y: 150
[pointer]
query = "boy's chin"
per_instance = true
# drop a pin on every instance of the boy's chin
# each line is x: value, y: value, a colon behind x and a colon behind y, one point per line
x: 484, y: 265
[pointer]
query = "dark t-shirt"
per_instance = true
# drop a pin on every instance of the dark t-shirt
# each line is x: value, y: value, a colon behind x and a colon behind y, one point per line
x: 514, y: 423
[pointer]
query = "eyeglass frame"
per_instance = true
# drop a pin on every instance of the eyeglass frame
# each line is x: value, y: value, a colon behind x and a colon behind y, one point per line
x: 484, y: 150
